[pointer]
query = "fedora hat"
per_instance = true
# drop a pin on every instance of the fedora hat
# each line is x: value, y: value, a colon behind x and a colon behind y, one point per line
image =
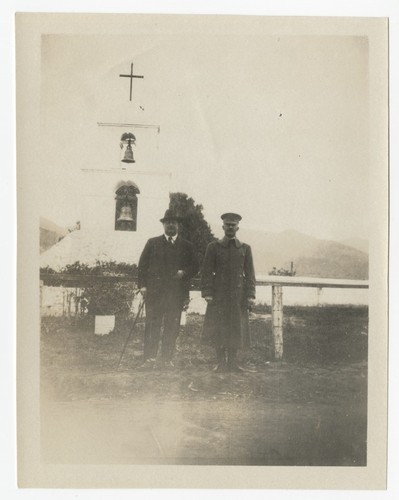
x: 171, y: 215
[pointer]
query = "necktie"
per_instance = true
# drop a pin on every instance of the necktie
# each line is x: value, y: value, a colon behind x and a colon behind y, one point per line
x: 170, y: 239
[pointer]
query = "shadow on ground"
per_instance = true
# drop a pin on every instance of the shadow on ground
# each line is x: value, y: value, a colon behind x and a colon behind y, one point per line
x: 310, y: 409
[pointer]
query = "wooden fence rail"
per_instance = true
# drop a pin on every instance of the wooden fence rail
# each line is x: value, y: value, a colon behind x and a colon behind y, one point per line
x: 276, y: 282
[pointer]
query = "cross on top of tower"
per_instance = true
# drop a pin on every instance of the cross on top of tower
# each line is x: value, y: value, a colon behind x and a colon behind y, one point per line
x: 131, y: 76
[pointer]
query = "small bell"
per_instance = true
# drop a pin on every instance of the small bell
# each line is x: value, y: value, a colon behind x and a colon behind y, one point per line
x: 126, y: 214
x: 128, y: 157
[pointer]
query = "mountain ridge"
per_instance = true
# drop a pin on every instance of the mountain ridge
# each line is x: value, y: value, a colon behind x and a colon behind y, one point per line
x: 311, y: 256
x: 50, y: 233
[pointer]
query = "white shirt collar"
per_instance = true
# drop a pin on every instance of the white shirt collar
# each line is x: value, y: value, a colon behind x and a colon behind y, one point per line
x: 173, y: 237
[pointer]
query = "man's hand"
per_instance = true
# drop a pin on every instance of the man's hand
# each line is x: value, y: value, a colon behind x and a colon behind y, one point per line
x: 180, y: 274
x: 143, y: 291
x: 209, y: 299
x: 250, y: 303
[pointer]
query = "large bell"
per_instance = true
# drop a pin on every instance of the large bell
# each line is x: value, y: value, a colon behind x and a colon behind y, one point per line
x: 126, y: 214
x: 128, y: 157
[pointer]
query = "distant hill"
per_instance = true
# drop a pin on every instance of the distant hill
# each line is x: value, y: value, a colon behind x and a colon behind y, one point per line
x: 50, y: 234
x: 358, y: 243
x: 311, y: 256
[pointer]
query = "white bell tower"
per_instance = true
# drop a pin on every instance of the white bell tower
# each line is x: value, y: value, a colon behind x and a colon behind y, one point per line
x: 124, y: 187
x: 125, y: 192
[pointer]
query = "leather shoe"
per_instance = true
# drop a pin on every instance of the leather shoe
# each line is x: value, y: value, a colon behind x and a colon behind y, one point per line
x: 234, y: 367
x: 220, y: 368
x: 168, y: 365
x: 148, y: 364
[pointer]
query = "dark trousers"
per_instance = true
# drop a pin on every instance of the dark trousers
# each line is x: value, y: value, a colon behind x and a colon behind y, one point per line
x: 164, y: 309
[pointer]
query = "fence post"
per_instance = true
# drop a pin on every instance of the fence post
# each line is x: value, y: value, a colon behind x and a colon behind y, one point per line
x: 277, y: 320
x: 319, y: 292
x: 41, y: 296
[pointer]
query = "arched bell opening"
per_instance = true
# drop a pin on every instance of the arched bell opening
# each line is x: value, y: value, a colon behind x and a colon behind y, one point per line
x: 126, y: 202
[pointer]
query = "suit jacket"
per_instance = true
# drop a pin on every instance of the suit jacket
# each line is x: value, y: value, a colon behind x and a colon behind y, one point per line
x: 157, y: 276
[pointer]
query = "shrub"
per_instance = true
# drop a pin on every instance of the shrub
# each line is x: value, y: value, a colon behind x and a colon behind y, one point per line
x: 101, y: 296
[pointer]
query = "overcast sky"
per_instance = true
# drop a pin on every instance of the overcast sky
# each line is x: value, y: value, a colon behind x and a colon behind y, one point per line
x: 274, y: 127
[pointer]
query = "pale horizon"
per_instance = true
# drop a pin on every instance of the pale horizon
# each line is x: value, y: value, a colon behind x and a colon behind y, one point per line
x: 217, y: 230
x: 274, y: 127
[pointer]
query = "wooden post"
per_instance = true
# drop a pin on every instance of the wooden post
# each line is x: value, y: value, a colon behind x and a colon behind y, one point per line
x: 319, y: 290
x: 277, y: 320
x: 41, y: 296
x: 75, y: 298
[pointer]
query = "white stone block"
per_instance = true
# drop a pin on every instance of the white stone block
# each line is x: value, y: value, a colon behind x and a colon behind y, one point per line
x: 104, y: 325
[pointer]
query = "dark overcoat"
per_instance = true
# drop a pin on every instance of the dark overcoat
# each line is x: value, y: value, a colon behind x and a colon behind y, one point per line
x: 158, y: 276
x: 228, y: 276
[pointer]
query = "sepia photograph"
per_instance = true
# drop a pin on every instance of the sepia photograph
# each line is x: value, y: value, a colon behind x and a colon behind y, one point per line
x: 207, y: 250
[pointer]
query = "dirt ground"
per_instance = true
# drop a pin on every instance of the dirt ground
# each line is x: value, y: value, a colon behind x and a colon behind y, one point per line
x: 309, y: 409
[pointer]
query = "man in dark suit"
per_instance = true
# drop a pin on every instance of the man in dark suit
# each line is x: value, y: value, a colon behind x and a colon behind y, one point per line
x: 166, y: 267
x: 228, y: 286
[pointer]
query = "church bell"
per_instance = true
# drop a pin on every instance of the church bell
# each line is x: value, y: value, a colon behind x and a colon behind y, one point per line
x: 128, y: 157
x: 126, y: 214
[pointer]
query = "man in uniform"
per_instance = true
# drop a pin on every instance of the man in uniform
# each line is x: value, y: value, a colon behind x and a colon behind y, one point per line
x: 228, y: 286
x: 165, y: 269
